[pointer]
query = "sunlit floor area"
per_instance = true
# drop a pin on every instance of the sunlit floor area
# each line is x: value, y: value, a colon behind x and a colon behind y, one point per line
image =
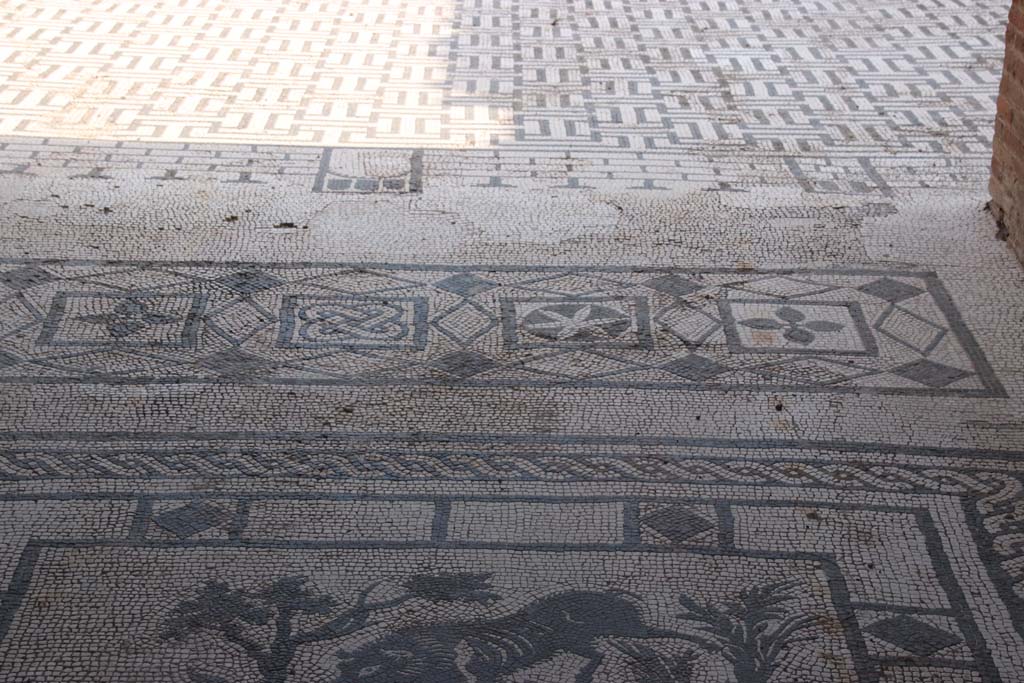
x: 598, y: 341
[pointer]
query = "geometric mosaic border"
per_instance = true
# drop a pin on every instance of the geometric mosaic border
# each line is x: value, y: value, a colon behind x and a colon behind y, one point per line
x: 810, y: 330
x: 983, y: 497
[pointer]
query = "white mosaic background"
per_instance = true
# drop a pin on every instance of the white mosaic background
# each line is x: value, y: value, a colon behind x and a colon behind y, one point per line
x: 191, y: 413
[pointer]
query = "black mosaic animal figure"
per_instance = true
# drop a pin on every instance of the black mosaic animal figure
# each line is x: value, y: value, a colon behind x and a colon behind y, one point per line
x: 487, y: 651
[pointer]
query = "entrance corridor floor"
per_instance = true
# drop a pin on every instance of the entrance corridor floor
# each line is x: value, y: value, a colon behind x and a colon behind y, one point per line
x: 591, y: 341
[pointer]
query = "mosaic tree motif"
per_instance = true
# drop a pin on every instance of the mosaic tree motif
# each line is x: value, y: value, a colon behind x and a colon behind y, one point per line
x: 752, y: 630
x: 650, y: 665
x: 241, y: 616
x: 574, y: 622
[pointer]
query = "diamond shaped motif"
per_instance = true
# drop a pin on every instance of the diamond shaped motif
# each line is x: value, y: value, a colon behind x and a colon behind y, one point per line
x: 235, y: 363
x: 930, y: 373
x: 677, y: 523
x: 249, y: 281
x: 238, y: 319
x: 465, y: 284
x: 463, y: 363
x: 691, y: 325
x: 191, y: 519
x: 785, y: 287
x: 911, y: 330
x: 464, y: 323
x: 810, y: 371
x: 891, y: 290
x: 578, y: 364
x: 916, y: 637
x: 673, y: 285
x: 695, y: 368
x: 25, y: 277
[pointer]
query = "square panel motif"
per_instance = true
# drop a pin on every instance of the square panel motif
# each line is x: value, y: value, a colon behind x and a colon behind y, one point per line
x: 780, y: 326
x: 167, y: 321
x: 571, y: 322
x: 642, y: 328
x: 325, y: 322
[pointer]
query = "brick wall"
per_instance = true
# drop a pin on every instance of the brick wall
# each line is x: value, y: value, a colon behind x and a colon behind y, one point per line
x: 1007, y: 184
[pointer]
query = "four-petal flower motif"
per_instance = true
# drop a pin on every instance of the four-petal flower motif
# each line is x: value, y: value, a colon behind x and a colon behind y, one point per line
x: 128, y: 317
x: 561, y: 322
x: 797, y: 328
x: 576, y: 322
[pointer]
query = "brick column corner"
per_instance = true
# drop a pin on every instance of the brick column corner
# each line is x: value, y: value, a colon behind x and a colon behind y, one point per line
x: 1007, y: 183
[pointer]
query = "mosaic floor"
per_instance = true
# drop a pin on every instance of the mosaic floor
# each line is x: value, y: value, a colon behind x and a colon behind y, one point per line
x: 599, y: 341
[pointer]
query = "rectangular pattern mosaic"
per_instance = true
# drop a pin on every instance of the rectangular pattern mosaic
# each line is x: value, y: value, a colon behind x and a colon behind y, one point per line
x: 478, y: 590
x: 399, y: 559
x: 892, y: 331
x: 366, y: 171
x: 658, y: 578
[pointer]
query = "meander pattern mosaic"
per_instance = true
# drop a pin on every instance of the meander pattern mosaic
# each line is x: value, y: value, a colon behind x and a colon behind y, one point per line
x: 572, y: 95
x: 602, y: 341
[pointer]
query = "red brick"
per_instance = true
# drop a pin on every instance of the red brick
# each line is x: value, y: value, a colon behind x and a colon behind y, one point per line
x: 1007, y: 183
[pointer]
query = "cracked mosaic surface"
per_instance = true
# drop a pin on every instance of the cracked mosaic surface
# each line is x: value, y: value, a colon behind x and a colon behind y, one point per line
x: 528, y: 342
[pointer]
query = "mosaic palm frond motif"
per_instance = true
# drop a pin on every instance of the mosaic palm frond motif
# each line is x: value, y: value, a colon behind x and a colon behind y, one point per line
x: 725, y: 566
x: 520, y: 341
x: 752, y: 632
